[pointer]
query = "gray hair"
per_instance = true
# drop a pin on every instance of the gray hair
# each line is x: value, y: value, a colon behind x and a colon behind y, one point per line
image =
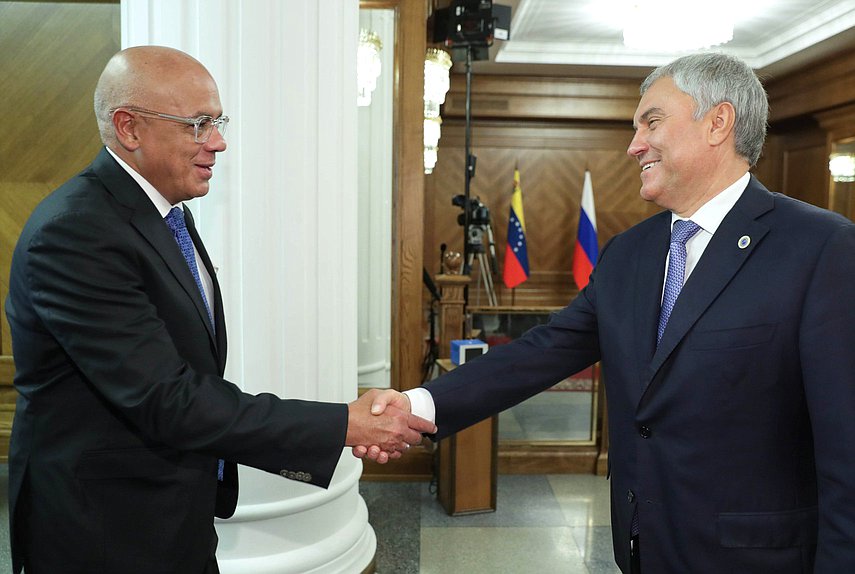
x: 117, y: 86
x: 713, y: 78
x: 109, y: 95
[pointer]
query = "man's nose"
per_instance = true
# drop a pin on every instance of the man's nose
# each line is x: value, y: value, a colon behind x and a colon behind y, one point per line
x: 637, y: 146
x: 216, y: 142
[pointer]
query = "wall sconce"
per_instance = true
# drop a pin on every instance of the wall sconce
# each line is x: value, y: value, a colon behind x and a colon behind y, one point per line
x: 437, y: 66
x: 367, y: 66
x: 842, y: 167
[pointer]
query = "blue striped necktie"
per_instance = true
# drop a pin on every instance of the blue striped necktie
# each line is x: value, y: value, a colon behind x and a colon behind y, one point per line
x: 175, y: 220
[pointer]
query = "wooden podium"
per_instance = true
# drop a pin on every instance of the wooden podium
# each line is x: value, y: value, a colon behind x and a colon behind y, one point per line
x: 468, y: 459
x: 468, y: 465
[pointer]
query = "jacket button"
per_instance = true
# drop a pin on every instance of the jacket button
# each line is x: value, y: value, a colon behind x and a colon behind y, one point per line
x: 630, y: 496
x: 645, y: 432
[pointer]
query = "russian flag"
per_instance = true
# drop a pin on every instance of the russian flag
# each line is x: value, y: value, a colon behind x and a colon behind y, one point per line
x: 516, y: 255
x: 586, y: 250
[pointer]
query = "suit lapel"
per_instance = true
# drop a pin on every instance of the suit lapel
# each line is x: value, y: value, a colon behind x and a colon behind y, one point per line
x: 145, y: 218
x: 151, y: 226
x: 721, y: 260
x: 219, y: 316
x: 648, y: 290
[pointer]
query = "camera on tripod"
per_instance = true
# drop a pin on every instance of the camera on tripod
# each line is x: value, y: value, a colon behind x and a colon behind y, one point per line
x: 479, y: 241
x: 479, y: 214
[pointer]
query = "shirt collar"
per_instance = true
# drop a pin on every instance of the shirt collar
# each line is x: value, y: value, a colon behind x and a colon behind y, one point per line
x: 712, y: 213
x: 160, y: 202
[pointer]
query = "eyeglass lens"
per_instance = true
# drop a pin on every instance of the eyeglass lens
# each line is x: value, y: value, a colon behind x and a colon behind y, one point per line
x: 205, y: 128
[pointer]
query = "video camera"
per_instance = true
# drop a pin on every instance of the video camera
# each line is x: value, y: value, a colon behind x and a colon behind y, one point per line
x: 471, y: 24
x: 478, y: 212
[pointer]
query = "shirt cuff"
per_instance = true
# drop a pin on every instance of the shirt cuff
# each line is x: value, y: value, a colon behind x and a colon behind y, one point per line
x: 421, y: 404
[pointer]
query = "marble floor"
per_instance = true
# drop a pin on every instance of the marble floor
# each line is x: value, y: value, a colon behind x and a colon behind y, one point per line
x: 543, y: 524
x: 5, y: 550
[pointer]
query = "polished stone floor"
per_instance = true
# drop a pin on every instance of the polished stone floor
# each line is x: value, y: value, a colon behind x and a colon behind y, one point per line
x: 543, y: 524
x: 5, y: 551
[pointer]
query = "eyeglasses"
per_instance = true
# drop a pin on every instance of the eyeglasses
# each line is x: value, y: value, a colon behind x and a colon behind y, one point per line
x: 203, y: 126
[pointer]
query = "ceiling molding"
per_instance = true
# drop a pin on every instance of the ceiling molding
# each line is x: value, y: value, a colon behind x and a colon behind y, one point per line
x: 780, y: 36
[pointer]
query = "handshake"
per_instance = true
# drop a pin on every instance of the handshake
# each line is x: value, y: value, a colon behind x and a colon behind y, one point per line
x: 381, y: 427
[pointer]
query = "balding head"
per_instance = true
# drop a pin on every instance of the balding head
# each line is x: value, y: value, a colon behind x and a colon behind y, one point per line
x: 141, y: 76
x: 146, y: 102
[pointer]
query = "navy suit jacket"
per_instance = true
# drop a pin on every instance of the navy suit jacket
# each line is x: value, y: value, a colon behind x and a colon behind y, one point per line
x: 733, y: 439
x: 123, y: 411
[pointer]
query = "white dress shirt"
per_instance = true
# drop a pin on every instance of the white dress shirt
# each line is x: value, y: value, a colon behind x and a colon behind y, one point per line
x: 163, y: 207
x: 709, y: 216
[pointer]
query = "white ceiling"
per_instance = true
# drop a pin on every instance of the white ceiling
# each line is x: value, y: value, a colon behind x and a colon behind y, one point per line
x: 584, y: 37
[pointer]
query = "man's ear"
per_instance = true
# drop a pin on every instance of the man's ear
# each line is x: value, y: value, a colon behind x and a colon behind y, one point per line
x: 125, y: 127
x: 722, y: 119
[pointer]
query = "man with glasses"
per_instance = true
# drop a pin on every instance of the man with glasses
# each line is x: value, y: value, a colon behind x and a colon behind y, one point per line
x: 126, y: 436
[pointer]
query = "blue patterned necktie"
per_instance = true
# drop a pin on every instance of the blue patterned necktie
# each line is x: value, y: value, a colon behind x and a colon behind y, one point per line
x: 682, y: 232
x: 175, y: 220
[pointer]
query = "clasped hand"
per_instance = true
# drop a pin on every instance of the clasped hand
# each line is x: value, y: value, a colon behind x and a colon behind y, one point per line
x: 380, y: 426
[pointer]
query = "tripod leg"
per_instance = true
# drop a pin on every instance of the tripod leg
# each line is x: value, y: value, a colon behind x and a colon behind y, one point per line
x: 484, y: 264
x: 478, y: 283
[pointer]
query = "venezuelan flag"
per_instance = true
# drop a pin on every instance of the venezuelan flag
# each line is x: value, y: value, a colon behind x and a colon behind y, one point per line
x: 516, y: 255
x: 586, y: 251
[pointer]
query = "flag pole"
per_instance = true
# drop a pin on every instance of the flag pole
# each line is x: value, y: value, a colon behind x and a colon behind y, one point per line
x: 514, y: 289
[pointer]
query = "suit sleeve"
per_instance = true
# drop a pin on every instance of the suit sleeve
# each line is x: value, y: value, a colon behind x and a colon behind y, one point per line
x: 511, y: 373
x: 89, y: 290
x: 827, y: 349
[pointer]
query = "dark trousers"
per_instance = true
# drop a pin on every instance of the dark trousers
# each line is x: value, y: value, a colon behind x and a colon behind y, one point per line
x: 211, y: 567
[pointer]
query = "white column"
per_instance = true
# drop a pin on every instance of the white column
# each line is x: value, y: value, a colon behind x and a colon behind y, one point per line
x: 280, y: 223
x: 376, y: 169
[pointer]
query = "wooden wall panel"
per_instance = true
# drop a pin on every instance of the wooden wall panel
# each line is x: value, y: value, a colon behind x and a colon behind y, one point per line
x: 53, y: 54
x: 795, y: 162
x: 820, y: 86
x: 770, y: 166
x: 543, y: 98
x: 552, y: 159
x: 805, y: 174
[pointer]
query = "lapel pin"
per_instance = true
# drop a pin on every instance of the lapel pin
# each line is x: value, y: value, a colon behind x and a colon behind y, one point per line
x: 744, y: 242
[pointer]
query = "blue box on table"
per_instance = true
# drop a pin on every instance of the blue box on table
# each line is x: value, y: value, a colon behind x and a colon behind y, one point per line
x: 463, y: 350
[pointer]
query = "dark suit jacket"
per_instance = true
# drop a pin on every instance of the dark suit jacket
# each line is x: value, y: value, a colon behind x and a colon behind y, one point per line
x: 733, y: 439
x: 123, y: 411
